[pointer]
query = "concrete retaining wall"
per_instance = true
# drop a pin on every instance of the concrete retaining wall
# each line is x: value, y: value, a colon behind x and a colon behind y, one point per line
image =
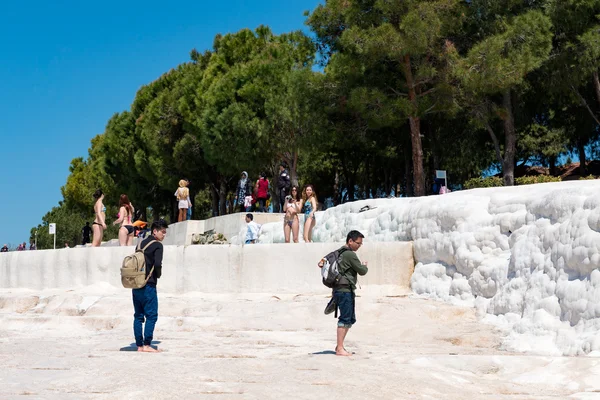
x: 277, y: 268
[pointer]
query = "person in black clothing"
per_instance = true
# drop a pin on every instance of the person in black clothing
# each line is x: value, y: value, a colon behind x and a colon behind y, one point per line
x: 145, y: 300
x: 283, y: 184
x: 4, y: 249
x: 85, y: 233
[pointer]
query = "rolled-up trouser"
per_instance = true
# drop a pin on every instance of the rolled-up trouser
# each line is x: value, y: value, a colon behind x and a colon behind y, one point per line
x: 346, y: 304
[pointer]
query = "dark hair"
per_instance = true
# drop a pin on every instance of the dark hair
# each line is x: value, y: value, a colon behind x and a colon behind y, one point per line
x: 263, y: 175
x: 98, y: 193
x: 87, y: 223
x: 250, y: 217
x: 283, y: 164
x: 297, y: 198
x: 159, y: 225
x: 354, y: 235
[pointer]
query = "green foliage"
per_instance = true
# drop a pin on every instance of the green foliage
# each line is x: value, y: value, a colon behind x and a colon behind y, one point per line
x: 502, y: 61
x: 202, y: 205
x: 530, y: 180
x: 587, y: 178
x: 69, y: 223
x: 490, y: 181
x: 407, y: 87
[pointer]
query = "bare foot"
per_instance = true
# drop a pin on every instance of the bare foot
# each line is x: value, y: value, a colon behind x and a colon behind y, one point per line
x: 342, y: 352
x: 150, y: 349
x: 140, y: 348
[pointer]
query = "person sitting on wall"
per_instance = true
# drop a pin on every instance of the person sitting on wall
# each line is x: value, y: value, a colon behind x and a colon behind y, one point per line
x: 253, y: 229
x: 4, y: 249
x: 141, y: 229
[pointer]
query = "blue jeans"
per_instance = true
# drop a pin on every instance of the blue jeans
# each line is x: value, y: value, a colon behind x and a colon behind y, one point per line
x: 345, y: 302
x: 145, y: 304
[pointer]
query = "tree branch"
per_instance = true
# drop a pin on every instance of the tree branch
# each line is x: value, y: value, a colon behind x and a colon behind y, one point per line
x: 585, y: 104
x: 396, y: 92
x: 496, y: 142
x: 425, y: 93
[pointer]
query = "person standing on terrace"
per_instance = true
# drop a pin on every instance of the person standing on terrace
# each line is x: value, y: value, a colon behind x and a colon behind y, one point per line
x: 99, y: 224
x: 183, y: 200
x: 125, y: 218
x: 145, y: 300
x: 309, y: 207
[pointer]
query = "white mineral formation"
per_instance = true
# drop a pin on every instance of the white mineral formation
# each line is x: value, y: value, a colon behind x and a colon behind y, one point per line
x: 527, y: 256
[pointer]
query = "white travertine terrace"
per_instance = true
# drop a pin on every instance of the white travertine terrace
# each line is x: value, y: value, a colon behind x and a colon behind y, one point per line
x: 527, y: 255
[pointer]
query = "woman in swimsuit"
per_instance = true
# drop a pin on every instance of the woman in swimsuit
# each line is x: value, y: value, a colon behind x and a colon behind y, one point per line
x: 99, y: 224
x: 309, y: 206
x: 125, y: 219
x: 291, y: 223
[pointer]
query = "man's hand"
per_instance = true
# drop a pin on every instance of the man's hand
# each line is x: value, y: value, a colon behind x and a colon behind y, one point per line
x: 365, y: 263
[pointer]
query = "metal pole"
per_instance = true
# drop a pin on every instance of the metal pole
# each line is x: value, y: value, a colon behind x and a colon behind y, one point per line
x: 36, y: 240
x: 54, y: 240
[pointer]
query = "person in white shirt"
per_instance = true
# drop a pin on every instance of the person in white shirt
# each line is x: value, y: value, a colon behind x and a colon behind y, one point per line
x: 252, y: 231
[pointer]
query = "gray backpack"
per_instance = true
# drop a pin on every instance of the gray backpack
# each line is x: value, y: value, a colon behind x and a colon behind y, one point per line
x: 330, y: 273
x: 133, y: 270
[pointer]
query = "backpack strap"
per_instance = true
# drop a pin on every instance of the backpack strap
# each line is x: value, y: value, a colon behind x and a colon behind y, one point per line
x: 146, y: 247
x: 149, y: 275
x: 343, y: 282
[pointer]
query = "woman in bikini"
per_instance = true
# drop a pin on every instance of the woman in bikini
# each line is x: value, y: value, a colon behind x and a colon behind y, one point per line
x: 99, y: 224
x: 291, y: 223
x: 309, y: 206
x: 125, y: 217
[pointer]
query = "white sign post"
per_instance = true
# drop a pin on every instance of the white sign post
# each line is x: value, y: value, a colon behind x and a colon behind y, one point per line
x: 52, y: 231
x: 440, y: 174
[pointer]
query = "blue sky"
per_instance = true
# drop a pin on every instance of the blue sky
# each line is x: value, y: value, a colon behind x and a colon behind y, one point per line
x: 67, y: 66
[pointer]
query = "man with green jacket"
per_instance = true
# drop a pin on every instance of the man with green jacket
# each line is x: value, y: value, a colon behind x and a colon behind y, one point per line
x: 349, y: 267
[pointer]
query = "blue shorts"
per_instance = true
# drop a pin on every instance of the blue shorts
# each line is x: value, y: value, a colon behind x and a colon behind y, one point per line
x: 345, y: 302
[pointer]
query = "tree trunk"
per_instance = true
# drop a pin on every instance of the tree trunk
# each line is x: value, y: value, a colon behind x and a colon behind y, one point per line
x: 222, y: 197
x: 582, y: 158
x: 214, y: 195
x: 350, y: 190
x: 552, y: 166
x: 510, y: 143
x: 349, y: 181
x: 155, y: 214
x: 415, y: 131
x: 408, y: 175
x: 387, y: 183
x: 336, y: 189
x: 596, y: 85
x: 294, y: 169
